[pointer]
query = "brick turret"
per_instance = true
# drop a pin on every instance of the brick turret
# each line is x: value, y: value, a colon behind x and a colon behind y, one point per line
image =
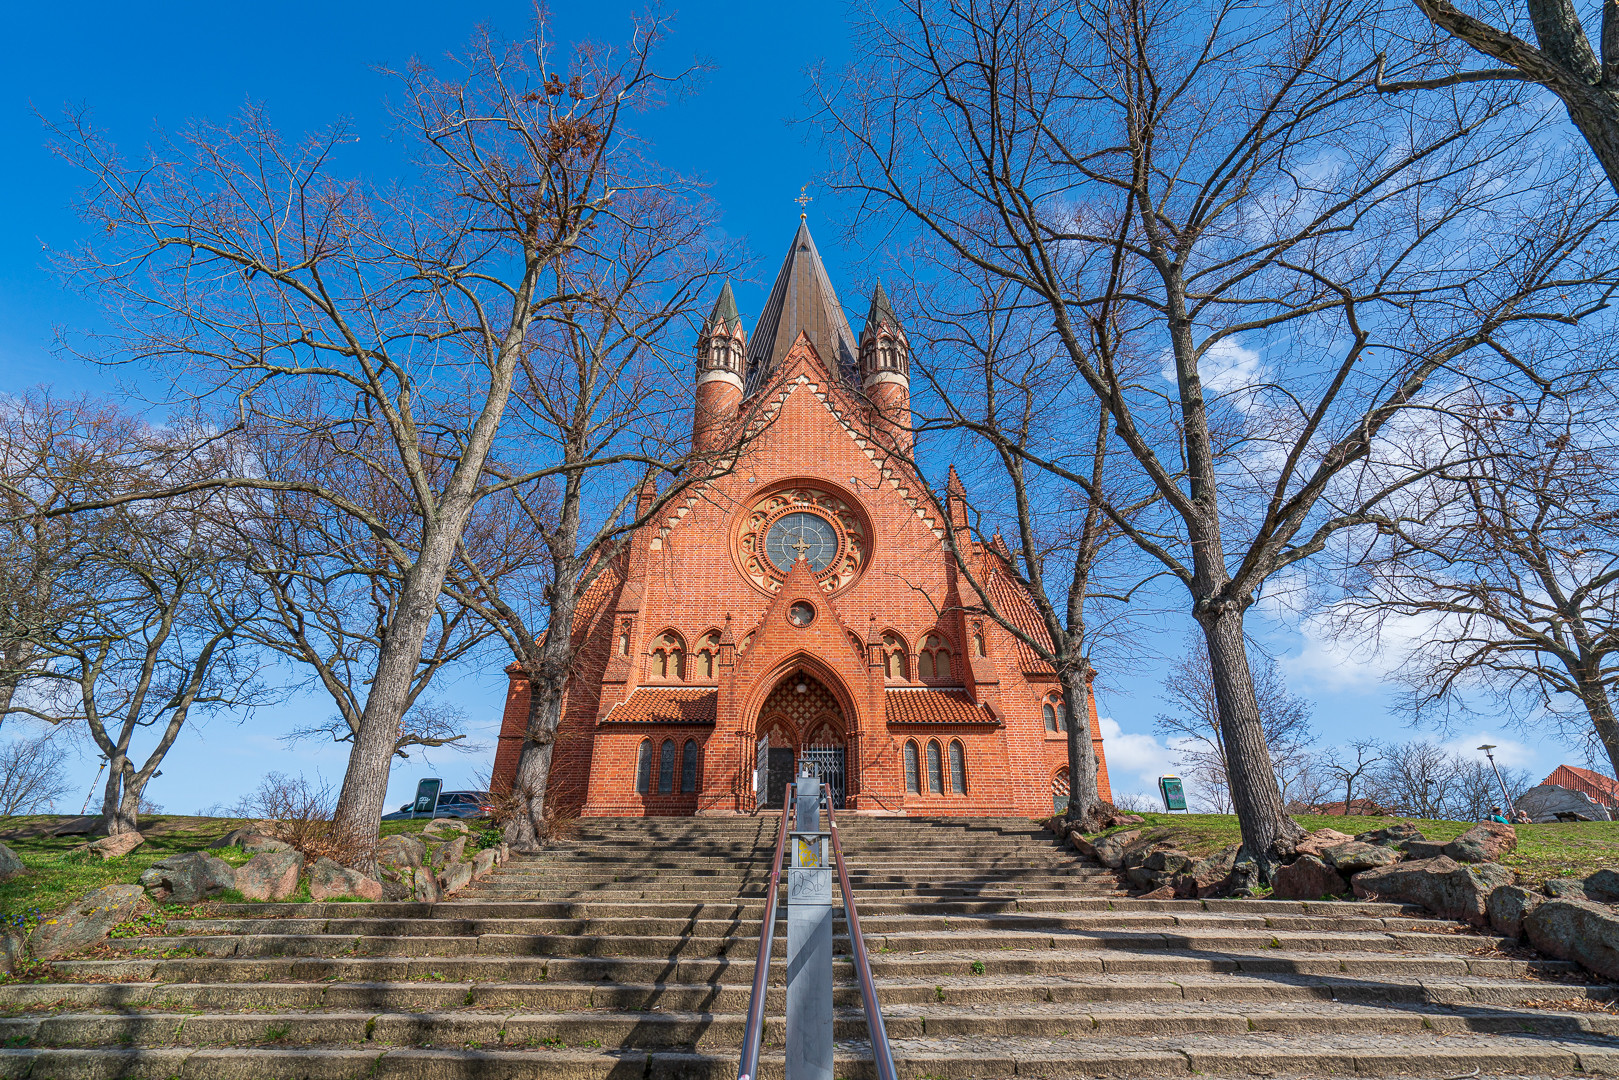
x: 721, y: 346
x: 885, y: 370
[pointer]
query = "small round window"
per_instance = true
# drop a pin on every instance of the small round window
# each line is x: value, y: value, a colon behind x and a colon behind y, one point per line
x: 801, y: 614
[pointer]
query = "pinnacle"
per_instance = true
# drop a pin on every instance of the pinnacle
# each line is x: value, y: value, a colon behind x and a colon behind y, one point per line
x: 881, y: 309
x: 725, y: 309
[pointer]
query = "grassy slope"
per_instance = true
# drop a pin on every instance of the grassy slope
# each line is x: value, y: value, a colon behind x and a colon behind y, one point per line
x: 55, y: 878
x: 1544, y: 851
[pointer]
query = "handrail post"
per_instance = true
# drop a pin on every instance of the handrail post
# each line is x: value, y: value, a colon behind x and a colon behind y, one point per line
x: 809, y: 941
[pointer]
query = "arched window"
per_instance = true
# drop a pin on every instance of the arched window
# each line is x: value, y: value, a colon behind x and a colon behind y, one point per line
x: 935, y: 770
x: 624, y: 640
x: 958, y: 769
x: 978, y: 639
x: 896, y: 665
x: 708, y: 651
x: 669, y: 657
x: 934, y: 660
x: 911, y: 779
x: 688, y: 767
x: 1055, y: 712
x: 666, y: 768
x: 643, y: 767
x: 1059, y: 791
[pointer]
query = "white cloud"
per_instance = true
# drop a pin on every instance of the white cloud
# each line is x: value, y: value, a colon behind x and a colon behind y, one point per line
x: 1509, y: 753
x: 1228, y: 370
x: 1135, y: 761
x: 1342, y: 664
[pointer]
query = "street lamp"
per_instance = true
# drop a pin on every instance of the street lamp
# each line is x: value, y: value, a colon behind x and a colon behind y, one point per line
x: 1506, y: 800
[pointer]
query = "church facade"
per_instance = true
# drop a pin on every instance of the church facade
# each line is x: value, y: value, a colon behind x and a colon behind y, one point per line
x: 805, y: 606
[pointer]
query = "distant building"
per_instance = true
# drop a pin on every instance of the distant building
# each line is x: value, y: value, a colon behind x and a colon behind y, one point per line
x: 806, y: 606
x: 1600, y: 789
x: 1357, y: 808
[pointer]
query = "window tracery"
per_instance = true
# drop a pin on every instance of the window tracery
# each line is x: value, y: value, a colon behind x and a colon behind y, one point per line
x: 896, y: 659
x: 933, y: 660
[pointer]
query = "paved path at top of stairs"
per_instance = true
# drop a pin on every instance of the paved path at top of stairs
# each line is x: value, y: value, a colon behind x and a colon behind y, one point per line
x: 628, y: 951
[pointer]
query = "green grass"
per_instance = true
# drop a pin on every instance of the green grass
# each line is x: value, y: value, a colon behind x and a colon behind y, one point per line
x: 56, y: 878
x: 1574, y: 849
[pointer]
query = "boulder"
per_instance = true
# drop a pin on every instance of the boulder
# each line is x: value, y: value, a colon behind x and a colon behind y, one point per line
x: 1207, y: 873
x: 1577, y: 930
x: 424, y: 887
x: 1110, y: 849
x: 1508, y: 906
x: 1165, y: 892
x: 445, y: 826
x: 1077, y: 841
x: 1116, y: 819
x: 456, y: 877
x: 483, y: 863
x: 405, y: 851
x: 1603, y: 886
x: 1443, y: 886
x: 1355, y: 856
x: 86, y: 922
x: 1545, y: 802
x: 1565, y: 888
x: 327, y: 881
x: 1392, y: 836
x: 10, y: 865
x: 188, y: 878
x: 115, y: 846
x: 251, y: 839
x: 94, y: 825
x: 1317, y: 842
x: 505, y: 852
x: 1159, y: 868
x: 1422, y: 849
x: 1307, y: 878
x: 269, y: 875
x: 1485, y: 842
x: 445, y: 854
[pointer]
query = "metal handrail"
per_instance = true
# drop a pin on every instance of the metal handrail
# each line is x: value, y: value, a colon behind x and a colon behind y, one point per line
x: 881, y: 1052
x: 753, y: 1034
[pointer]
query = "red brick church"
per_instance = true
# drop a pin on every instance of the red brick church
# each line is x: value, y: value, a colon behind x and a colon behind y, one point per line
x: 804, y: 606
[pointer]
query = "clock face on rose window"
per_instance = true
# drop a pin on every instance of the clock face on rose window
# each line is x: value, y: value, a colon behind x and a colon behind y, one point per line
x: 826, y: 529
x: 801, y: 533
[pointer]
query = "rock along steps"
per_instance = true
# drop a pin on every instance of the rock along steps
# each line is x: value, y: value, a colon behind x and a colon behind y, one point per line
x: 628, y: 953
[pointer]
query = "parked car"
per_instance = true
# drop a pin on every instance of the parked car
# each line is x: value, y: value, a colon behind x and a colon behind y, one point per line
x: 456, y: 804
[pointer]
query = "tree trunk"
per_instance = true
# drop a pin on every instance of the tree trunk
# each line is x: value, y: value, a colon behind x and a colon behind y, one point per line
x: 1600, y: 708
x: 1082, y: 791
x: 365, y: 784
x: 1268, y: 834
x: 526, y: 828
x: 120, y: 807
x: 15, y: 658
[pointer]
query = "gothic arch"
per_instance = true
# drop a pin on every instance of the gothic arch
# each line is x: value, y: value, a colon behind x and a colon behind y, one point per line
x: 812, y: 665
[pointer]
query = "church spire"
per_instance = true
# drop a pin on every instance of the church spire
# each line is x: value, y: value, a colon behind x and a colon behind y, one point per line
x: 801, y: 301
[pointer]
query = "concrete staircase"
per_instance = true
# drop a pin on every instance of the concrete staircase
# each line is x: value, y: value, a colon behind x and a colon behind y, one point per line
x: 628, y: 953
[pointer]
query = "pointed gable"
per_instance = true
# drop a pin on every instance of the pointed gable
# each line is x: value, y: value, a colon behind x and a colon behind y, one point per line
x: 801, y: 302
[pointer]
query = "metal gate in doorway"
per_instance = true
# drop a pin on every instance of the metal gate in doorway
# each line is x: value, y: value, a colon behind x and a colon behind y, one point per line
x: 828, y: 763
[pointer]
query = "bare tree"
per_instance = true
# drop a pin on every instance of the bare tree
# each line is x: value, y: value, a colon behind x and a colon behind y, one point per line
x: 1565, y: 63
x: 1416, y: 778
x: 264, y: 275
x: 155, y: 632
x: 1169, y: 159
x: 995, y: 376
x: 33, y: 773
x: 603, y: 385
x: 1192, y: 725
x: 1359, y: 774
x: 1507, y: 560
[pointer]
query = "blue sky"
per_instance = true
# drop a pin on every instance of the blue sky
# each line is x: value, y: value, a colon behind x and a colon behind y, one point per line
x: 156, y: 65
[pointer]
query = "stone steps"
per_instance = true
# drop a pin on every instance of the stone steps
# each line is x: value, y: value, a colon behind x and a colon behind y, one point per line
x: 995, y: 953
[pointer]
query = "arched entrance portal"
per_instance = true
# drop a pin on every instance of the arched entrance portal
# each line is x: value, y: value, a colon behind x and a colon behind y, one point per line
x: 800, y: 721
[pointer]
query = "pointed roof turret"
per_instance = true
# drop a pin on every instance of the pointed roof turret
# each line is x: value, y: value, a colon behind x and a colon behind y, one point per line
x: 725, y: 312
x: 881, y: 311
x: 802, y: 300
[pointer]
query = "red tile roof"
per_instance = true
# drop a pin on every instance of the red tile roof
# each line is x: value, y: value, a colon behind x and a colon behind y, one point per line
x: 1012, y: 601
x: 1601, y: 788
x: 930, y: 706
x: 666, y: 705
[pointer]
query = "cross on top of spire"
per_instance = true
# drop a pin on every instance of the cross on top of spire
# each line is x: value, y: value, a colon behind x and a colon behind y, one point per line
x: 803, y: 201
